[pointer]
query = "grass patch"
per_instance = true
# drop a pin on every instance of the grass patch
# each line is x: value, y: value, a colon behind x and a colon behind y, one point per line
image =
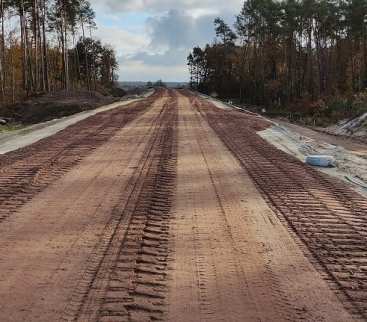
x: 10, y: 127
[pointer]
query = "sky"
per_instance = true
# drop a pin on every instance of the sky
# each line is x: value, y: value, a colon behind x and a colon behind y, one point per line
x: 153, y: 38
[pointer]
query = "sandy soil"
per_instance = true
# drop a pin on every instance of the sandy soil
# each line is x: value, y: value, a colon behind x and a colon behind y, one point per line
x: 47, y: 245
x: 233, y: 259
x: 298, y: 141
x: 325, y: 215
x: 356, y: 128
x: 350, y: 156
x: 345, y: 142
x: 175, y: 210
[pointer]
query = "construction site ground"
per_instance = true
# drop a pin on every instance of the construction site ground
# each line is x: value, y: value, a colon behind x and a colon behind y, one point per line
x: 171, y: 209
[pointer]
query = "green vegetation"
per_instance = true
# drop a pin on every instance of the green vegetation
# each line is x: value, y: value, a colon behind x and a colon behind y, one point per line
x: 10, y: 127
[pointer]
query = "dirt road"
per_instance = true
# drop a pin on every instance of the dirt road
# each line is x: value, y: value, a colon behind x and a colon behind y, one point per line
x: 171, y: 209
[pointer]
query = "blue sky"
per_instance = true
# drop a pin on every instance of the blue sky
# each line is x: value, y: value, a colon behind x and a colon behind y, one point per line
x: 152, y: 38
x: 130, y: 21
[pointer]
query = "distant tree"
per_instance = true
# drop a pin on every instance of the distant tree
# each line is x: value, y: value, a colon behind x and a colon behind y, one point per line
x: 224, y: 32
x: 93, y: 55
x: 159, y: 83
x: 286, y: 51
x: 48, y: 54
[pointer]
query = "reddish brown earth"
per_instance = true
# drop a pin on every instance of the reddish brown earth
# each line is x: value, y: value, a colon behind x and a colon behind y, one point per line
x: 171, y: 209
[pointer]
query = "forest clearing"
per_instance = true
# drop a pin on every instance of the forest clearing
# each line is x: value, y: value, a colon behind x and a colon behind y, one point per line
x: 193, y: 217
x: 232, y: 189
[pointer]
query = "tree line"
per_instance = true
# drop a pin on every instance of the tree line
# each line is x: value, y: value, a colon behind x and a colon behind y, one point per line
x: 281, y: 52
x: 47, y: 45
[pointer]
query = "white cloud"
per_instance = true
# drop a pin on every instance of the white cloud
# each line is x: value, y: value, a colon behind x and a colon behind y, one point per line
x: 133, y: 70
x: 178, y: 30
x: 124, y: 42
x: 165, y: 5
x: 160, y: 47
x: 171, y: 57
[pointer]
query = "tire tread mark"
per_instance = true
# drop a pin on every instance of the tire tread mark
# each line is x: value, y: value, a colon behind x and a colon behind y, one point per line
x: 325, y: 215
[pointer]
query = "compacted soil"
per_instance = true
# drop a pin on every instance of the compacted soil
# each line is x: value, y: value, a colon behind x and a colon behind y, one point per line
x: 170, y: 209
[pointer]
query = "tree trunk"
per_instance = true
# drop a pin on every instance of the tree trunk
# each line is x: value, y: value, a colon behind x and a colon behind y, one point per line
x: 86, y: 59
x: 23, y: 46
x: 30, y: 85
x: 63, y: 35
x: 93, y: 64
x: 66, y: 56
x: 310, y: 83
x: 2, y: 56
x: 45, y: 56
x: 35, y: 39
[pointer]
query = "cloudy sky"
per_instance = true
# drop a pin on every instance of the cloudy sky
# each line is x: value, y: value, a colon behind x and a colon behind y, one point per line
x: 152, y: 38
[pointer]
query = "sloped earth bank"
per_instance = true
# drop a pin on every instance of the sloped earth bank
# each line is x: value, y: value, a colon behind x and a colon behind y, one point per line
x: 175, y: 210
x: 326, y: 216
x: 350, y: 156
x: 356, y: 128
x: 24, y: 136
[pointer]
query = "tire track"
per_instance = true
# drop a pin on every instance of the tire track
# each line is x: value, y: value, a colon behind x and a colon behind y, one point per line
x: 127, y: 277
x: 283, y: 309
x: 27, y: 171
x: 327, y: 216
